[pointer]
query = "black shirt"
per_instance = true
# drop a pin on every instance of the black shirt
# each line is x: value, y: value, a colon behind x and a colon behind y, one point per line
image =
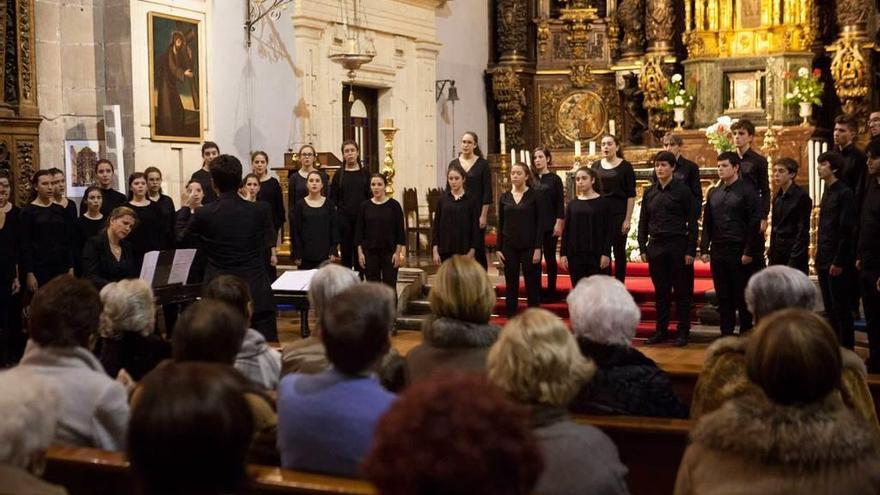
x: 203, y: 177
x: 315, y: 234
x: 478, y: 182
x: 754, y: 169
x: 148, y: 234
x: 554, y: 198
x: 618, y: 184
x: 47, y: 238
x: 101, y: 267
x: 668, y: 213
x: 869, y: 228
x: 587, y: 228
x: 166, y: 206
x: 86, y: 228
x: 855, y: 170
x: 456, y: 225
x: 836, y: 222
x: 688, y: 173
x: 732, y: 221
x: 297, y: 188
x: 379, y: 227
x: 9, y: 248
x: 348, y: 189
x: 70, y: 210
x: 519, y: 224
x: 197, y: 269
x: 110, y: 199
x: 790, y: 228
x: 270, y: 193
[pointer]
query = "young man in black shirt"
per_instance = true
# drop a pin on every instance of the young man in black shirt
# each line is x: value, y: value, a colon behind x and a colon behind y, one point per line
x: 731, y: 223
x: 834, y: 253
x: 753, y: 167
x: 855, y: 168
x: 210, y: 150
x: 668, y: 242
x: 868, y: 256
x: 790, y: 231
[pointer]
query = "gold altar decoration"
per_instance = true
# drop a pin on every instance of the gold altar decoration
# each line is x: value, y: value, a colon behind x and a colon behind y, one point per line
x: 512, y: 29
x: 578, y: 24
x: 283, y: 174
x: 388, y: 131
x: 652, y: 82
x: 510, y: 100
x: 738, y: 28
x: 631, y: 16
x: 567, y: 115
x: 850, y: 63
x: 659, y: 25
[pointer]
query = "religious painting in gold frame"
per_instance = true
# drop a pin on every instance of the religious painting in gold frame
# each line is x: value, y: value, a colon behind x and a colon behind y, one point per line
x: 744, y: 92
x: 581, y: 115
x: 175, y: 70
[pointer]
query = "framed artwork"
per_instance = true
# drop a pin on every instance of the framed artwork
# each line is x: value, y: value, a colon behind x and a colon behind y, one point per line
x: 175, y: 66
x: 744, y: 92
x: 79, y: 166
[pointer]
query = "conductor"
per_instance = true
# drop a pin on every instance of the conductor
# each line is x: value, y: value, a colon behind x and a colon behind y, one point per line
x: 234, y: 235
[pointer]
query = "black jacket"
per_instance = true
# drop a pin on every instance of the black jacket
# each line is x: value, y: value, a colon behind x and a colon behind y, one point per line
x: 790, y: 230
x: 732, y: 221
x: 836, y: 223
x: 101, y: 267
x: 668, y: 212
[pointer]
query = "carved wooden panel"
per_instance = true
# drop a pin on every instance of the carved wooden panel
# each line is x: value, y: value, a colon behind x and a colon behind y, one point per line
x: 567, y: 113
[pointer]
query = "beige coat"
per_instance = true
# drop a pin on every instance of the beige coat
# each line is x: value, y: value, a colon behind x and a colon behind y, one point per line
x: 753, y: 446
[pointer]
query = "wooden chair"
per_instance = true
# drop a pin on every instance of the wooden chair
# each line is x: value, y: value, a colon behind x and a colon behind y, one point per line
x: 433, y: 197
x: 412, y: 223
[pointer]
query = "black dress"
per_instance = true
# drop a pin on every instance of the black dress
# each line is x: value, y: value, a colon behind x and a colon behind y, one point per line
x: 586, y: 236
x: 110, y: 199
x: 378, y: 232
x: 348, y: 189
x: 456, y: 225
x: 149, y: 233
x: 47, y: 242
x: 519, y: 235
x: 478, y: 185
x: 554, y: 209
x: 166, y: 206
x: 9, y: 254
x: 101, y: 267
x: 315, y: 236
x: 270, y: 193
x: 86, y: 228
x: 618, y: 185
x: 297, y: 188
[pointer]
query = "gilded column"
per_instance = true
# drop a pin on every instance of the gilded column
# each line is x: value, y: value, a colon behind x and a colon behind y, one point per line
x: 512, y: 23
x: 660, y: 26
x: 510, y: 100
x: 631, y: 16
x: 851, y: 61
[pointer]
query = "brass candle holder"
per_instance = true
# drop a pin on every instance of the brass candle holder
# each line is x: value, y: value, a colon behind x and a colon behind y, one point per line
x: 388, y: 131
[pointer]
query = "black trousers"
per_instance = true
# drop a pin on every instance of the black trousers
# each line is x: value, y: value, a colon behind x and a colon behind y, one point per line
x: 310, y: 264
x: 668, y: 274
x: 480, y: 250
x: 516, y: 260
x: 871, y: 300
x: 582, y: 265
x: 266, y: 323
x: 347, y: 249
x: 730, y: 276
x: 549, y: 248
x: 781, y: 254
x: 380, y: 267
x: 618, y: 248
x: 836, y: 297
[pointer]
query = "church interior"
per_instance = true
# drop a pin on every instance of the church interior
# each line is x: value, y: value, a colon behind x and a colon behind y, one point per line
x: 423, y: 90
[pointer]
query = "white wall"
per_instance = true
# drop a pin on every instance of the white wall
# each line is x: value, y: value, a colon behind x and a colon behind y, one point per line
x: 463, y: 30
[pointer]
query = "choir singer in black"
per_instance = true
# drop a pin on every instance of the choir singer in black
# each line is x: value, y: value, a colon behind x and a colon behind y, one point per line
x: 456, y: 225
x: 554, y: 212
x: 315, y: 236
x: 349, y: 188
x: 379, y: 234
x: 586, y: 234
x: 868, y: 256
x: 790, y: 226
x: 478, y: 185
x: 667, y: 238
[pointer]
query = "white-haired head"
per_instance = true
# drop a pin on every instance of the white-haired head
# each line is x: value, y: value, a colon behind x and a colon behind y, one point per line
x: 603, y: 311
x: 127, y: 307
x: 779, y: 287
x: 330, y: 280
x: 27, y: 424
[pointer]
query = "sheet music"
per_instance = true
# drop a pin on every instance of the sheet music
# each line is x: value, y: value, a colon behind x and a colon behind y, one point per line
x: 183, y: 260
x: 294, y: 280
x: 148, y: 268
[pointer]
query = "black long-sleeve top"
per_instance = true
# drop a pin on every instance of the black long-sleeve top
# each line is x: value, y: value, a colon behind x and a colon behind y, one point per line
x: 668, y: 212
x: 315, y: 233
x: 166, y: 206
x: 688, y: 173
x: 197, y: 269
x: 791, y: 223
x: 379, y: 227
x: 270, y: 193
x: 348, y: 189
x: 10, y: 243
x: 203, y: 177
x: 754, y: 168
x: 868, y: 250
x: 618, y: 184
x: 554, y: 196
x: 101, y: 267
x: 297, y: 188
x: 478, y: 182
x: 86, y: 228
x: 110, y: 199
x: 70, y: 210
x: 836, y: 223
x: 855, y: 171
x: 47, y: 238
x: 587, y: 229
x: 148, y: 234
x: 732, y: 221
x: 519, y: 224
x: 456, y: 225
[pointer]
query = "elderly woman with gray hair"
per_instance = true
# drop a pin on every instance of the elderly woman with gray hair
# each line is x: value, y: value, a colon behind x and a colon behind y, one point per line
x: 127, y: 344
x: 724, y: 377
x: 27, y: 427
x: 604, y: 317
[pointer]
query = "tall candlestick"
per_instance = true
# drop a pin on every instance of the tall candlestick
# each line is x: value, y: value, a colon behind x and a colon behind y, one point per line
x: 611, y: 127
x: 577, y: 148
x: 503, y: 138
x: 592, y: 148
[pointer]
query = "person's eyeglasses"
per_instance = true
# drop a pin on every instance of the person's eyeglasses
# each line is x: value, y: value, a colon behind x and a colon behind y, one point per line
x: 307, y: 154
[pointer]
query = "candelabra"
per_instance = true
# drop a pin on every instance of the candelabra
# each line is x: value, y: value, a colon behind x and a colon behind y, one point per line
x: 388, y: 131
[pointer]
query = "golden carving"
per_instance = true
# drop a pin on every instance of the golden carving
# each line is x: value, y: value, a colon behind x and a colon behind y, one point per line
x: 510, y: 99
x: 26, y: 167
x: 543, y: 36
x: 24, y: 45
x: 850, y: 72
x: 581, y: 115
x: 660, y: 25
x: 567, y: 115
x: 631, y: 17
x: 652, y: 81
x: 580, y: 74
x: 388, y: 131
x: 578, y: 25
x: 512, y: 28
x: 853, y: 12
x: 283, y: 174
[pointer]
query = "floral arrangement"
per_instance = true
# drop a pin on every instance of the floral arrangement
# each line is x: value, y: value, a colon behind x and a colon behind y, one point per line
x: 805, y: 88
x: 719, y: 134
x: 676, y: 94
x: 632, y: 239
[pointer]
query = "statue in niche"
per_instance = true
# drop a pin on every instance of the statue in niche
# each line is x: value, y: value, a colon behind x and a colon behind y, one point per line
x: 631, y: 17
x: 636, y: 117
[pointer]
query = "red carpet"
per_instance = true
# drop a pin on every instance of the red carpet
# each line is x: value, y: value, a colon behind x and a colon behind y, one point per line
x: 638, y: 283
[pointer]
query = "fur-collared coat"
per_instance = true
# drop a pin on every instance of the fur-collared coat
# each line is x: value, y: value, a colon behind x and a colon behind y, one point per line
x: 450, y: 345
x: 754, y: 446
x: 724, y: 377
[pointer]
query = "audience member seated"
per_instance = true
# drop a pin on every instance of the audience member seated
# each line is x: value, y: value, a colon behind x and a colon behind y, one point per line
x: 256, y: 360
x: 211, y: 331
x: 326, y: 420
x: 457, y: 335
x: 791, y: 433
x: 454, y: 434
x: 92, y: 407
x: 27, y: 427
x: 537, y: 362
x: 604, y: 318
x: 724, y: 370
x: 307, y: 355
x: 128, y: 345
x: 190, y: 431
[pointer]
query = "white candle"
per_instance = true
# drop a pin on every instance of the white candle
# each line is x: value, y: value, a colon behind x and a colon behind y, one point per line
x: 611, y: 127
x: 522, y: 156
x: 810, y: 169
x: 528, y: 159
x: 577, y: 148
x: 592, y: 148
x: 503, y: 138
x: 512, y: 156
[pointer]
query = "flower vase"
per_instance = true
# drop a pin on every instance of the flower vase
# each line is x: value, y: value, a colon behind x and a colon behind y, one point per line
x: 678, y: 117
x: 806, y: 110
